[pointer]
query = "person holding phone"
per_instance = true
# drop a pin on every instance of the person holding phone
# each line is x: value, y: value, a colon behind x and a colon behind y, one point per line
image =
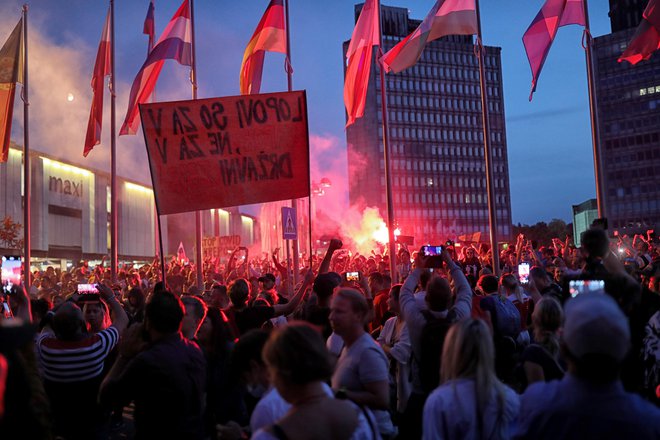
x: 72, y: 360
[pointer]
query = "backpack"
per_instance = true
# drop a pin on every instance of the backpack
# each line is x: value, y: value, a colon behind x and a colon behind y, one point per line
x: 431, y: 342
x: 506, y: 319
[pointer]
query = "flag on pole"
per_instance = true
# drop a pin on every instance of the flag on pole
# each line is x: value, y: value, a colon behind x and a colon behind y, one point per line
x: 174, y: 44
x: 541, y: 33
x: 365, y: 35
x: 11, y: 72
x: 181, y: 254
x: 270, y: 35
x: 447, y: 17
x: 150, y: 25
x: 647, y: 37
x: 102, y: 68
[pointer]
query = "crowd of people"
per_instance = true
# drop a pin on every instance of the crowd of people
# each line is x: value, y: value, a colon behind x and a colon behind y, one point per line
x: 560, y: 342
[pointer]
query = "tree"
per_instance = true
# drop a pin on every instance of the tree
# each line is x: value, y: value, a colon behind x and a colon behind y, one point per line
x: 10, y: 233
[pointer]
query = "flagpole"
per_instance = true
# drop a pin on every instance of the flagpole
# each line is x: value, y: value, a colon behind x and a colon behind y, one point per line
x: 593, y: 110
x: 198, y: 214
x: 114, y: 228
x: 294, y: 202
x: 386, y: 153
x: 26, y: 158
x: 490, y: 187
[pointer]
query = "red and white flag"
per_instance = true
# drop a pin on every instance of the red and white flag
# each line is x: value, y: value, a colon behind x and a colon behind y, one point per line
x: 541, y: 33
x: 365, y: 36
x: 11, y: 72
x: 102, y: 68
x: 150, y: 25
x: 447, y: 17
x: 647, y: 38
x: 174, y: 44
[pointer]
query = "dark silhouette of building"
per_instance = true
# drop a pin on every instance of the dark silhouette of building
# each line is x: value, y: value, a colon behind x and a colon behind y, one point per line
x: 626, y: 14
x: 436, y: 139
x: 629, y: 123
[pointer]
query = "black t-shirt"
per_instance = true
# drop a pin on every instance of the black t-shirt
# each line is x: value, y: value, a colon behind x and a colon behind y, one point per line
x: 536, y: 354
x: 252, y: 317
x: 319, y: 316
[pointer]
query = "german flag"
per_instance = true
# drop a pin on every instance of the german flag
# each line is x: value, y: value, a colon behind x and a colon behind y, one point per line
x: 270, y: 35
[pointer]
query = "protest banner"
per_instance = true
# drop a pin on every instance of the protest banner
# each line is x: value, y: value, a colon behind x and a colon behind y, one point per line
x: 222, y: 152
x: 219, y: 247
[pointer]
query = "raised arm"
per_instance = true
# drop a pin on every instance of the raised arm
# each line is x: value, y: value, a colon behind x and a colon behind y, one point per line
x: 117, y: 312
x: 290, y: 307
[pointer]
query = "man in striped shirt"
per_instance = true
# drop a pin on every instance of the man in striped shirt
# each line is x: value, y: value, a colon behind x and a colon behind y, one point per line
x: 72, y: 362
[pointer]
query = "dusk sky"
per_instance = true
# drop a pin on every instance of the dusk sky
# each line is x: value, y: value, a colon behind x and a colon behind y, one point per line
x: 549, y: 142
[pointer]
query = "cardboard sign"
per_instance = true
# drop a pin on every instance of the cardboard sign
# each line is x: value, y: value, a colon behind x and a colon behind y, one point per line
x: 222, y: 152
x: 219, y: 247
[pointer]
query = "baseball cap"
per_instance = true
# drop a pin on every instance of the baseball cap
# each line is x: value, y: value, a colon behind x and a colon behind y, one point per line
x: 267, y: 277
x: 596, y: 325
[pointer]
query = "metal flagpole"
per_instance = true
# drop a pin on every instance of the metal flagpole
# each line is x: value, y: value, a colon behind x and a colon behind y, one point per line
x: 294, y: 202
x: 492, y: 220
x: 26, y: 158
x: 386, y: 153
x: 114, y: 228
x: 198, y: 214
x: 587, y: 43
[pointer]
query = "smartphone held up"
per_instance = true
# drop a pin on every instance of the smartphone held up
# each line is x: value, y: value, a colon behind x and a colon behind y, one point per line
x: 433, y: 255
x: 11, y: 272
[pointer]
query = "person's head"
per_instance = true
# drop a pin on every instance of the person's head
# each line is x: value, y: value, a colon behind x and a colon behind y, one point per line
x: 487, y: 284
x: 69, y: 323
x: 246, y: 364
x: 58, y: 300
x: 375, y: 282
x: 547, y: 319
x: 39, y: 308
x: 136, y: 298
x: 267, y: 281
x: 595, y: 243
x: 163, y: 313
x: 539, y: 277
x: 470, y: 253
x: 438, y: 294
x: 393, y: 300
x: 219, y: 297
x: 97, y: 316
x: 239, y: 292
x: 468, y: 351
x: 596, y: 337
x: 348, y: 312
x: 296, y: 356
x: 214, y: 333
x: 509, y: 282
x: 195, y: 312
x: 325, y: 284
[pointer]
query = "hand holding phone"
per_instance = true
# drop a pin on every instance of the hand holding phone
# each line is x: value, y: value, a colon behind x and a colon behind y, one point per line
x: 523, y: 273
x: 11, y: 272
x: 432, y: 255
x: 352, y: 276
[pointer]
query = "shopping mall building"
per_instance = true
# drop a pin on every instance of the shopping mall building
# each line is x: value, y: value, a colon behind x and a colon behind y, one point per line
x: 71, y: 215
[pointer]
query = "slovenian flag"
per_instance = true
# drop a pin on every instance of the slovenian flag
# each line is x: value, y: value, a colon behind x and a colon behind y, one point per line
x: 447, y: 17
x: 174, y: 44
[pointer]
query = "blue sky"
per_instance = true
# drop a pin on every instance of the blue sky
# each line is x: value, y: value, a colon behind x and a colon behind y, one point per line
x: 550, y: 158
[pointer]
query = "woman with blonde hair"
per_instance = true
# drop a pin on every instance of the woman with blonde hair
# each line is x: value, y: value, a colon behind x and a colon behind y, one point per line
x: 470, y: 402
x: 540, y: 360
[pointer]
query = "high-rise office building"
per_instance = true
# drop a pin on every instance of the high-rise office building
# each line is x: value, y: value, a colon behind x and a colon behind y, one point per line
x: 629, y: 126
x: 626, y: 14
x: 436, y: 139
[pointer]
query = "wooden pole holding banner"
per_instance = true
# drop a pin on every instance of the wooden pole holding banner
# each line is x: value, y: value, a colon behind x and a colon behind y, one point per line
x: 198, y: 215
x: 289, y: 78
x: 163, y: 276
x: 26, y: 158
x: 114, y: 215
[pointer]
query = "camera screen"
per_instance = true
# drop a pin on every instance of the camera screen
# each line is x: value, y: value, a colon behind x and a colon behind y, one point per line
x: 352, y: 276
x: 432, y: 251
x: 579, y: 287
x: 87, y: 289
x: 11, y: 272
x: 523, y: 273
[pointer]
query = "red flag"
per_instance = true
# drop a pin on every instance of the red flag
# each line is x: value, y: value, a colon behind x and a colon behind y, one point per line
x: 365, y: 35
x: 541, y: 33
x: 150, y: 25
x: 11, y: 72
x: 447, y: 17
x: 174, y: 44
x: 270, y: 35
x: 102, y: 68
x: 647, y: 38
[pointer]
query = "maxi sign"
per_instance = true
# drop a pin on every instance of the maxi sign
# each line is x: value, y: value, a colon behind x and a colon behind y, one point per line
x: 221, y: 152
